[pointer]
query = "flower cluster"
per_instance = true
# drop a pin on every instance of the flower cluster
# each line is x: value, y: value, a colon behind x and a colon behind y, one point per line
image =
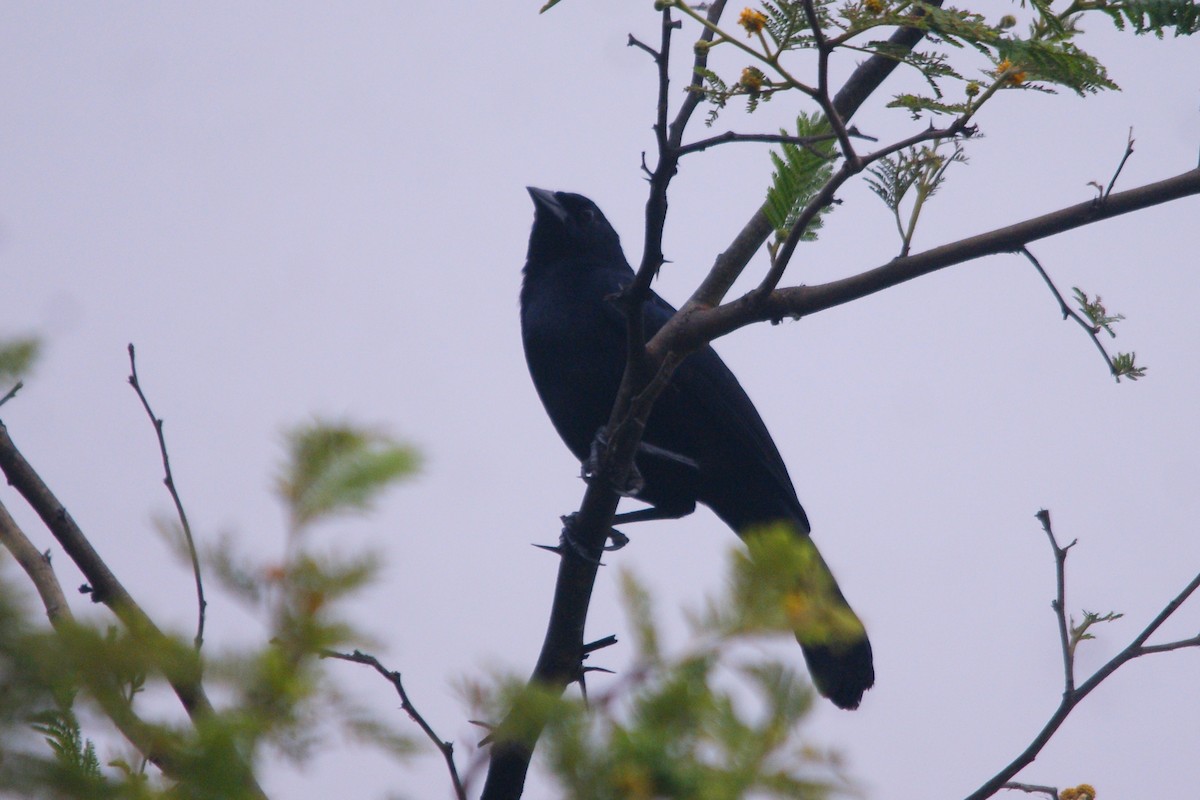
x: 753, y: 21
x: 1007, y: 70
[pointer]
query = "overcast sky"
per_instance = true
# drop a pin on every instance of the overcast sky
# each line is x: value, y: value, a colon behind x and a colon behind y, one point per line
x: 299, y: 209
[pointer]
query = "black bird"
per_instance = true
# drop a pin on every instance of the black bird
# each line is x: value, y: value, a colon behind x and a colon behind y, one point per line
x: 574, y: 337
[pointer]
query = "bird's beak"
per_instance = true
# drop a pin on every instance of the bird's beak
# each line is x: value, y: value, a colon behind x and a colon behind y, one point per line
x: 546, y: 202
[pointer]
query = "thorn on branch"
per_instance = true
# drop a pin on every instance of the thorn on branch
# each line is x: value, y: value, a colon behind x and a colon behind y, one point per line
x: 599, y: 644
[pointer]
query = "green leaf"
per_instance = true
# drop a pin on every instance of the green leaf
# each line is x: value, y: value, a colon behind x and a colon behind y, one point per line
x: 1057, y: 62
x: 799, y: 174
x: 1155, y: 16
x: 336, y: 468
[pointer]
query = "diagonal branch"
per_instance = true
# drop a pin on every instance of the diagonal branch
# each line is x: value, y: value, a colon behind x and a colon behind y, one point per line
x: 183, y: 674
x: 446, y: 748
x: 1070, y: 313
x: 861, y: 84
x: 157, y: 745
x: 694, y: 325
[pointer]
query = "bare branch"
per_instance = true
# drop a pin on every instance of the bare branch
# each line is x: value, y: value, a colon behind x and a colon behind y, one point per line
x: 1030, y: 788
x: 169, y: 482
x: 445, y: 747
x: 12, y: 393
x: 37, y: 566
x: 695, y: 95
x: 806, y: 142
x: 696, y: 324
x: 1072, y: 696
x: 1060, y: 601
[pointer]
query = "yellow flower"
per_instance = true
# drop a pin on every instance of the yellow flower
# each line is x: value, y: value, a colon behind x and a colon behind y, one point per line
x: 752, y: 79
x: 874, y: 6
x: 972, y: 88
x: 1084, y: 791
x: 1015, y: 76
x: 753, y: 21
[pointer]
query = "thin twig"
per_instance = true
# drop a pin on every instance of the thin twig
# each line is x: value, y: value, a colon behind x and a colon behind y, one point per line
x: 806, y: 142
x: 635, y: 42
x: 1121, y: 166
x: 1072, y: 697
x: 695, y: 93
x: 11, y: 393
x: 1070, y: 313
x: 169, y: 482
x: 445, y: 747
x: 822, y: 95
x: 1060, y: 602
x: 1031, y: 788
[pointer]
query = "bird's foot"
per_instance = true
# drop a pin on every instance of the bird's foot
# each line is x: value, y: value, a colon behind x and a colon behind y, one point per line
x: 568, y: 541
x: 634, y: 483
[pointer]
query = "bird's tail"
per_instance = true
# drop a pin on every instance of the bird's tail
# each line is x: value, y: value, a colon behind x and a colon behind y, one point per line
x: 831, y: 635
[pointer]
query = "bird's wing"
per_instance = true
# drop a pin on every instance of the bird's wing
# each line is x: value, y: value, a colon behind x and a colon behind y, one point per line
x: 705, y: 402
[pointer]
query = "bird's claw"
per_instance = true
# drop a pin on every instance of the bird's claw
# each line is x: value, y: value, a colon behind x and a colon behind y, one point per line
x: 567, y: 540
x: 634, y: 482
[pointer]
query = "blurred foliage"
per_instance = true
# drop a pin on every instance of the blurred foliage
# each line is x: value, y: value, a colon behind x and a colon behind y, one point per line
x: 721, y: 720
x: 277, y: 696
x: 17, y: 356
x: 335, y: 468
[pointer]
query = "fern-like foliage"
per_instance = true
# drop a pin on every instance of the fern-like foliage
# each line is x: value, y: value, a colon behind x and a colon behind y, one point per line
x: 800, y: 172
x: 1056, y: 62
x: 74, y: 754
x: 918, y: 171
x: 787, y: 24
x: 1154, y: 16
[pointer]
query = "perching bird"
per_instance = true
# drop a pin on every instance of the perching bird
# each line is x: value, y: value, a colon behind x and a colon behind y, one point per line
x: 574, y: 337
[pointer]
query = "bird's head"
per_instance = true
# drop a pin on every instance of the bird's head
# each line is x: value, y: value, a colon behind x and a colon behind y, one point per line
x: 570, y: 226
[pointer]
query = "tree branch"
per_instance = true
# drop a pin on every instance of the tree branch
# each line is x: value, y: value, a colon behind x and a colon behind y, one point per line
x: 446, y: 748
x: 1072, y: 696
x: 183, y: 674
x: 1070, y: 313
x: 169, y: 482
x: 37, y: 566
x: 862, y: 83
x: 694, y: 326
x: 156, y: 745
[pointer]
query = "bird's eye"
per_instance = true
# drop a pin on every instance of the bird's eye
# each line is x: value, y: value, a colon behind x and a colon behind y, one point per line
x: 587, y: 215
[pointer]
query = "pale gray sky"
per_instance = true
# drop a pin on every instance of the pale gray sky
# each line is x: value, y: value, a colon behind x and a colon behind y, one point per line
x: 295, y: 209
